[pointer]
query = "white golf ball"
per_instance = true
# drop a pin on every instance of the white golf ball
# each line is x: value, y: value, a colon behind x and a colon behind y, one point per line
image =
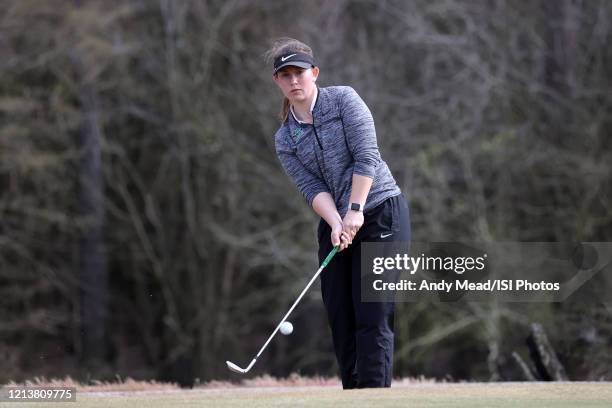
x: 286, y: 328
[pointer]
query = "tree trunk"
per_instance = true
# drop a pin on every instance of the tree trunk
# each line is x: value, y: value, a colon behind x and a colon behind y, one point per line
x: 92, y: 257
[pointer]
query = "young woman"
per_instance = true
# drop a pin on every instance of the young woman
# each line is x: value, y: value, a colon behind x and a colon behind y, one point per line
x: 327, y: 145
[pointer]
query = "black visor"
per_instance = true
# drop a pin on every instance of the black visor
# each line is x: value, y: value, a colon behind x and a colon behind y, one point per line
x: 296, y: 59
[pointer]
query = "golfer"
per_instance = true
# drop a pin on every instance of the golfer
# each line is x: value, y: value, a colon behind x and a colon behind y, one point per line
x: 327, y: 145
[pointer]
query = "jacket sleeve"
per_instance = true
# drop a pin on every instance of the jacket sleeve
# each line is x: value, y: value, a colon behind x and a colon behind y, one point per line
x: 309, y: 184
x: 360, y: 133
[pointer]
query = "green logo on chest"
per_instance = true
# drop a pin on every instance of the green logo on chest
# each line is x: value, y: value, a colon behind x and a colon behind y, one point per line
x: 297, y: 133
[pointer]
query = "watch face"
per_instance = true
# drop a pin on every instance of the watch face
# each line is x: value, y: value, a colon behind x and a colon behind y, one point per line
x: 355, y: 207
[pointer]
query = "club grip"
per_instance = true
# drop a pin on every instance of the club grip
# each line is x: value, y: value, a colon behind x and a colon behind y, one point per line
x: 330, y: 256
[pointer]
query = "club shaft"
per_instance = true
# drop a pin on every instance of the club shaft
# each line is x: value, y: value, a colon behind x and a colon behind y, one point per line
x: 329, y: 257
x: 316, y: 275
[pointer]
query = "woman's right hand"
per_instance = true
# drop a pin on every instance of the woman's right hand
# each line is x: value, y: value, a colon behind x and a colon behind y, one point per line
x: 340, y: 238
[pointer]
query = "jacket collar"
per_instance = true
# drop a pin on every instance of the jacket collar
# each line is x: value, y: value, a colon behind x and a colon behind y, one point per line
x: 322, y: 104
x: 312, y: 104
x: 319, y: 110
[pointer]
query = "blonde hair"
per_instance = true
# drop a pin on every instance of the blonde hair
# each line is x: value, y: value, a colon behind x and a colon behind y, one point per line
x: 280, y: 46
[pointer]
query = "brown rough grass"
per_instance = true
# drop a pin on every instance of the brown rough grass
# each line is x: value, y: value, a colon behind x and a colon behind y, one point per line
x: 264, y: 381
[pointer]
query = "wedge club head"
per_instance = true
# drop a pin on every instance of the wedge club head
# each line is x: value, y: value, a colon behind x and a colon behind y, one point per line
x: 237, y: 369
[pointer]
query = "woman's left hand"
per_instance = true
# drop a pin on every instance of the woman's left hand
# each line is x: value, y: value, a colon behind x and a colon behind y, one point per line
x: 353, y: 220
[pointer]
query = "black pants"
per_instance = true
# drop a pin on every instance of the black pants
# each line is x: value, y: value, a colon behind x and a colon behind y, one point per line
x: 362, y: 332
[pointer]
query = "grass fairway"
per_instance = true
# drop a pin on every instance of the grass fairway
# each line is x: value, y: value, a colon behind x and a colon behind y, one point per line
x: 425, y: 395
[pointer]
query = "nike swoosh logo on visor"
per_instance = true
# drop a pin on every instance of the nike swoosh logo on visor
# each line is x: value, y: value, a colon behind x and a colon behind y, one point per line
x: 283, y: 59
x: 386, y: 235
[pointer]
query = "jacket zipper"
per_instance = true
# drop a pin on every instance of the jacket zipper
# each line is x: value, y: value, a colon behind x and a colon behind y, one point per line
x: 322, y: 169
x: 316, y: 134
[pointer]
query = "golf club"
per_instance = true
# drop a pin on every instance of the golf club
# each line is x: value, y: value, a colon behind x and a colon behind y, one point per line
x: 237, y: 369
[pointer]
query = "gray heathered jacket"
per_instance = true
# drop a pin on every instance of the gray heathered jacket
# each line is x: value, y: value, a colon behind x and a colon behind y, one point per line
x: 341, y: 141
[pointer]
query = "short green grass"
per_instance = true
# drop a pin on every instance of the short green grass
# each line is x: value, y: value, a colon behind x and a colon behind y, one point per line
x: 423, y: 395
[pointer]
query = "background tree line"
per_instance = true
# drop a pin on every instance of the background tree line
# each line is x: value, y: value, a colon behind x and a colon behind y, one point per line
x: 147, y: 229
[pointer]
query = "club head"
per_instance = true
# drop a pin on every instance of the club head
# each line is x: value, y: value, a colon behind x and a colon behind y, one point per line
x: 235, y: 368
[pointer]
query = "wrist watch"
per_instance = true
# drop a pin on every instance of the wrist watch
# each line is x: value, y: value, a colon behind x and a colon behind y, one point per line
x: 357, y: 207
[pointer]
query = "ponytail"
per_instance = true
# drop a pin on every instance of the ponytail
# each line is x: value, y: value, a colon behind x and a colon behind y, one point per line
x: 284, y: 113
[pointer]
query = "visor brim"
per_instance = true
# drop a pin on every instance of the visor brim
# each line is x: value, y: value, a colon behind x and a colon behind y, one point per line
x: 300, y: 64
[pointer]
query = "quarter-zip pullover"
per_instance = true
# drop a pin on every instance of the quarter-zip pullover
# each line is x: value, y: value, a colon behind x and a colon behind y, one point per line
x: 322, y: 156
